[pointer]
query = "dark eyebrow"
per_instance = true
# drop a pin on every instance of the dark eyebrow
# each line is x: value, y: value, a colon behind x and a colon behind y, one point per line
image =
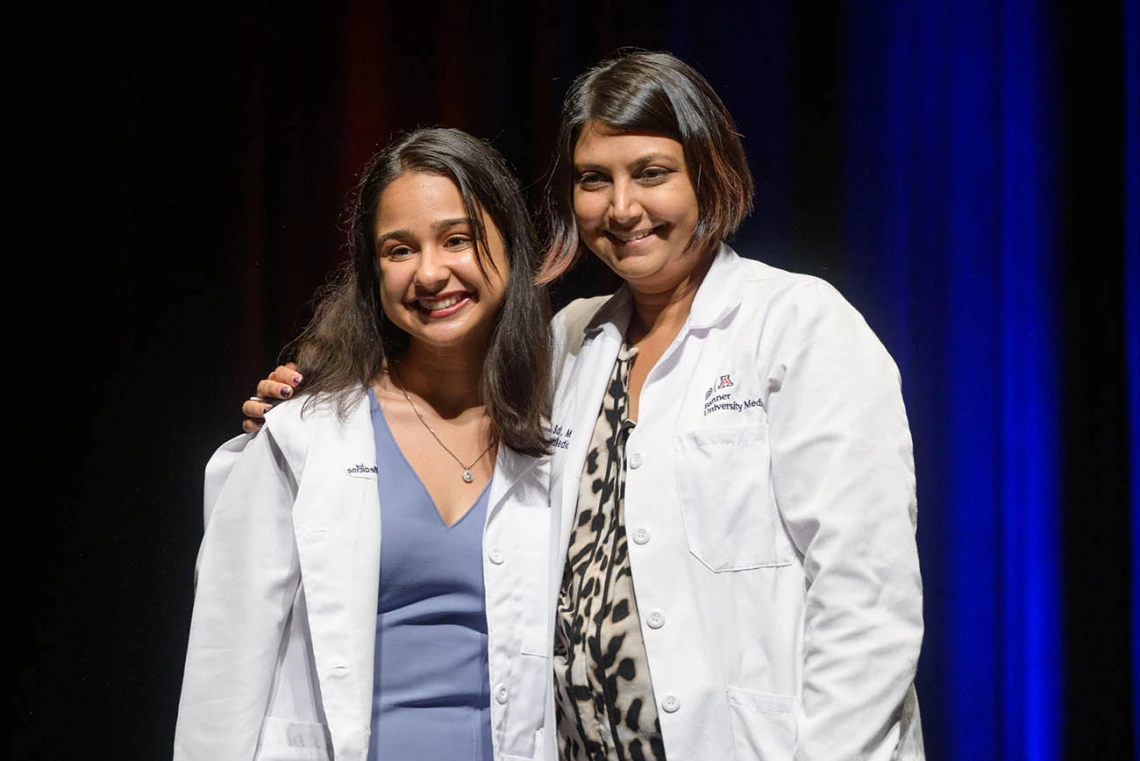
x: 438, y: 227
x: 447, y: 224
x: 644, y: 161
x: 395, y: 234
x: 637, y: 165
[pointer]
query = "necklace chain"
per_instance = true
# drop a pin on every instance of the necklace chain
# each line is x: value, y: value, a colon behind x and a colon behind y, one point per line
x: 467, y: 475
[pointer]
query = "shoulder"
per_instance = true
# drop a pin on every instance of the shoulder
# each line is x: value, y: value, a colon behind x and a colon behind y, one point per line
x: 569, y: 326
x: 793, y: 312
x: 578, y: 313
x: 294, y: 425
x: 756, y: 290
x: 781, y: 293
x: 760, y: 276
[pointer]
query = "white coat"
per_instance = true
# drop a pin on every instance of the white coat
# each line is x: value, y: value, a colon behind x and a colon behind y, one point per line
x: 280, y: 658
x: 770, y: 507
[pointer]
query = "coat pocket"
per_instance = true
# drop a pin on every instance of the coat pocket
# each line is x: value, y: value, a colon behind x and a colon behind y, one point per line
x: 284, y: 740
x: 763, y: 725
x: 724, y: 485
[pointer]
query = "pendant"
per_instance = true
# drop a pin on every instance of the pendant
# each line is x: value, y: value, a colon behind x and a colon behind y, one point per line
x: 467, y: 476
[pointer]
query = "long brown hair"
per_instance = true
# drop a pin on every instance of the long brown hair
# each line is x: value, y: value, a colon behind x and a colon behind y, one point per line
x: 345, y: 345
x: 662, y: 95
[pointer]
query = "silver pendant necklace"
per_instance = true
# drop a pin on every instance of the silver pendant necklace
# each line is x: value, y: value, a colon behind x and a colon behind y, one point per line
x: 467, y: 476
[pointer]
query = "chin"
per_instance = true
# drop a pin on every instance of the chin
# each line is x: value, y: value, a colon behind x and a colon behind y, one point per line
x: 635, y: 267
x: 451, y: 337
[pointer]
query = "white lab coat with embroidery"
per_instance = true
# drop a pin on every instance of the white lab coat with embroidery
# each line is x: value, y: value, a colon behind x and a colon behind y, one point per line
x: 280, y: 658
x: 770, y: 509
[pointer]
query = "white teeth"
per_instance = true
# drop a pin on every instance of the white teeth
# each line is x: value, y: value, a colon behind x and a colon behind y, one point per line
x: 632, y: 238
x: 435, y: 305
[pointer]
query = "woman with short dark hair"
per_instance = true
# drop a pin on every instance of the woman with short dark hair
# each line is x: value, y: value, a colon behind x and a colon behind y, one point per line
x: 745, y: 428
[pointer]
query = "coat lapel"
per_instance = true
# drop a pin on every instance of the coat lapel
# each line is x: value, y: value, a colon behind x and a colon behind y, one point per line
x: 589, y: 373
x: 337, y: 528
x: 510, y: 467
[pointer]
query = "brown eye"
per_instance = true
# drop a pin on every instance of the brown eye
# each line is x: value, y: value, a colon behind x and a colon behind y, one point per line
x: 591, y: 180
x: 654, y: 175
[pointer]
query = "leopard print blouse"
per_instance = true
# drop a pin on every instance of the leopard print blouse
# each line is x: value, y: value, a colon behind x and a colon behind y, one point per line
x: 604, y: 702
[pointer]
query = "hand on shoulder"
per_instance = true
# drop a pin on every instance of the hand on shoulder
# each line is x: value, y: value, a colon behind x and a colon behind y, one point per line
x: 280, y: 385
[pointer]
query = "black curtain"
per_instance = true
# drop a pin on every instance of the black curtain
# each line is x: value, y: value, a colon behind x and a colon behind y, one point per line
x: 182, y: 175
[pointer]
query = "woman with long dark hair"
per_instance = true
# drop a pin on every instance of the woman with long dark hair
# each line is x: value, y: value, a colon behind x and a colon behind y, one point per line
x: 372, y: 579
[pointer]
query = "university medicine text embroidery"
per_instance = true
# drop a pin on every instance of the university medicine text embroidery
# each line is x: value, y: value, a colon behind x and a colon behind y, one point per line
x: 718, y: 399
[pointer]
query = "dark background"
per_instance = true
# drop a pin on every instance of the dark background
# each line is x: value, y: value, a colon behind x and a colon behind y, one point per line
x: 185, y: 170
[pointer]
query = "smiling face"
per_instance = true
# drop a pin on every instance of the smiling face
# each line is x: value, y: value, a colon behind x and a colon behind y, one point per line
x: 635, y: 206
x: 431, y: 285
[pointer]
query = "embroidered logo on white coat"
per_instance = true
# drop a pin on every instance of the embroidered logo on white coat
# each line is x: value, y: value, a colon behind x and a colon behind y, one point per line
x: 721, y: 397
x: 360, y: 470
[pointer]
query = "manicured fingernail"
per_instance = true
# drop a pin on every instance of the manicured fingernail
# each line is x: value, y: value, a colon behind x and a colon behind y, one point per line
x: 286, y: 391
x: 266, y: 408
x: 297, y: 379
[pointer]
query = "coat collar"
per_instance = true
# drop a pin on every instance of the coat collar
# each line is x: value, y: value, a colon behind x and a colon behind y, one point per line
x: 720, y: 292
x: 613, y: 315
x: 717, y: 298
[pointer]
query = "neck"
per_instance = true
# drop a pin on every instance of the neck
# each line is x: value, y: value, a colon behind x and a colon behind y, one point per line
x: 448, y: 380
x: 663, y: 312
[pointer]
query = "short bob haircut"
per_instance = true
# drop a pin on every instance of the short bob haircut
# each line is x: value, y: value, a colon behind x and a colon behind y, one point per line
x: 345, y: 345
x: 658, y: 94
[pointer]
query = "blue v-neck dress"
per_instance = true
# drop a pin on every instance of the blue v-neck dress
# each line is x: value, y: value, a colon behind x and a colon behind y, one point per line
x: 431, y: 694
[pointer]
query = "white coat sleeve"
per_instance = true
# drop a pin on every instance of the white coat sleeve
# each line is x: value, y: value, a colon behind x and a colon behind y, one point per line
x: 218, y: 470
x: 247, y: 579
x: 844, y: 483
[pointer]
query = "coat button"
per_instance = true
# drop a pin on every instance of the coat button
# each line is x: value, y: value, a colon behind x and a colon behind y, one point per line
x: 501, y: 693
x: 640, y: 535
x: 671, y: 704
x: 496, y: 555
x: 655, y: 619
x: 635, y: 460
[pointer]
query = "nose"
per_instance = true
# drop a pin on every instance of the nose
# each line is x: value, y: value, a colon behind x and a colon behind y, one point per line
x: 432, y: 272
x: 625, y: 206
